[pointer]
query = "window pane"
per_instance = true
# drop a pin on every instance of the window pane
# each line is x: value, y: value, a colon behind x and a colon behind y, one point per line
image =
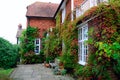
x: 37, y: 49
x: 84, y: 53
x: 63, y: 14
x: 85, y: 32
x: 37, y: 45
x: 81, y: 51
x: 37, y: 41
x: 80, y: 34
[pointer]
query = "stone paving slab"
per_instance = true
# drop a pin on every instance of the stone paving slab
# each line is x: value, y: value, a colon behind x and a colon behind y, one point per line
x: 36, y: 72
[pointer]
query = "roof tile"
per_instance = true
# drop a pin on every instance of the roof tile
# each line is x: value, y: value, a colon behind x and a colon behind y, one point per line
x: 41, y: 9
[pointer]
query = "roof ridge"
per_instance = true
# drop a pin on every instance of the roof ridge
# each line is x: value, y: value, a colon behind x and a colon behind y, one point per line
x: 43, y: 9
x: 44, y: 2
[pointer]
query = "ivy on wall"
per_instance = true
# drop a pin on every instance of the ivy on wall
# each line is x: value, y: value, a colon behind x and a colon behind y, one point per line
x: 27, y: 46
x: 70, y: 44
x: 104, y: 42
x: 52, y: 42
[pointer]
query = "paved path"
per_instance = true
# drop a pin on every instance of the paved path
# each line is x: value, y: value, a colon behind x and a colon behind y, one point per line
x: 36, y: 72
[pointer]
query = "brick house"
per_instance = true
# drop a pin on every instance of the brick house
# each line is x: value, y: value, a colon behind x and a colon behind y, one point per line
x: 41, y: 15
x: 67, y: 7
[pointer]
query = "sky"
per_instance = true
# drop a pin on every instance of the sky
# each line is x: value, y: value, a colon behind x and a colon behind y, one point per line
x: 12, y: 13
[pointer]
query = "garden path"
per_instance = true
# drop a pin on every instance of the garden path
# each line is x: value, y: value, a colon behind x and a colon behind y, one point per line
x: 36, y: 72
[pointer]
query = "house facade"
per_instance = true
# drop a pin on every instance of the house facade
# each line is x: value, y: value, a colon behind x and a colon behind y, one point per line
x: 84, y: 27
x: 74, y: 9
x: 41, y: 16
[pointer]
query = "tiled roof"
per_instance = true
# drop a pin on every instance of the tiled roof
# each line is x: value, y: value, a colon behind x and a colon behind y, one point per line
x: 41, y: 9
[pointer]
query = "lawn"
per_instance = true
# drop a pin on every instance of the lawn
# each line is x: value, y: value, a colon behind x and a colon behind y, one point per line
x: 6, y: 72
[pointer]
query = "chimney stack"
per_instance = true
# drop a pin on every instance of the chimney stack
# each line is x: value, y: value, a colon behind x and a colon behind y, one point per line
x: 19, y: 26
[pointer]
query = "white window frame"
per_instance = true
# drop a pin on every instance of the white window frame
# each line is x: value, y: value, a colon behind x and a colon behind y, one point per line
x: 64, y: 12
x: 78, y: 12
x: 100, y: 1
x: 83, y: 47
x: 39, y: 42
x: 93, y: 3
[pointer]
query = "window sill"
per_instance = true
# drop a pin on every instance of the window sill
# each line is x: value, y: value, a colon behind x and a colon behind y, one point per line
x: 36, y: 53
x: 82, y: 63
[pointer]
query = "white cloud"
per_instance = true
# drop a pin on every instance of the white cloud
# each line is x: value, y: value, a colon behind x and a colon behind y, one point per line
x: 12, y: 12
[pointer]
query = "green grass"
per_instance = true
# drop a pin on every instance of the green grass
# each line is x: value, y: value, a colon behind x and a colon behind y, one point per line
x: 6, y: 72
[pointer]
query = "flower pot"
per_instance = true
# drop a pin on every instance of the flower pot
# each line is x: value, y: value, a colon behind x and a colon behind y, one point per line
x: 47, y: 65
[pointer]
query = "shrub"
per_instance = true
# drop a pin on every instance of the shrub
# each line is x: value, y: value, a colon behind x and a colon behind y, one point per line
x: 8, y: 54
x: 51, y: 44
x: 49, y: 59
x: 68, y: 60
x: 78, y: 70
x: 27, y: 40
x: 31, y: 58
x: 27, y: 46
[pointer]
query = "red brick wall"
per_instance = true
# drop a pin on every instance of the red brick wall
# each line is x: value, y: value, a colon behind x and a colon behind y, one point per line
x: 68, y: 10
x: 77, y: 3
x: 68, y: 7
x: 42, y: 24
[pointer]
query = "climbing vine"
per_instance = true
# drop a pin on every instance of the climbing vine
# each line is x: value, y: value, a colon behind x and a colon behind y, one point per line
x: 70, y: 44
x: 104, y: 55
x: 52, y: 42
x: 27, y: 46
x: 104, y: 42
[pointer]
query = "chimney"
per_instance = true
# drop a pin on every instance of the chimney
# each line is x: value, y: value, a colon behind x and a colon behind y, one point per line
x: 19, y: 27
